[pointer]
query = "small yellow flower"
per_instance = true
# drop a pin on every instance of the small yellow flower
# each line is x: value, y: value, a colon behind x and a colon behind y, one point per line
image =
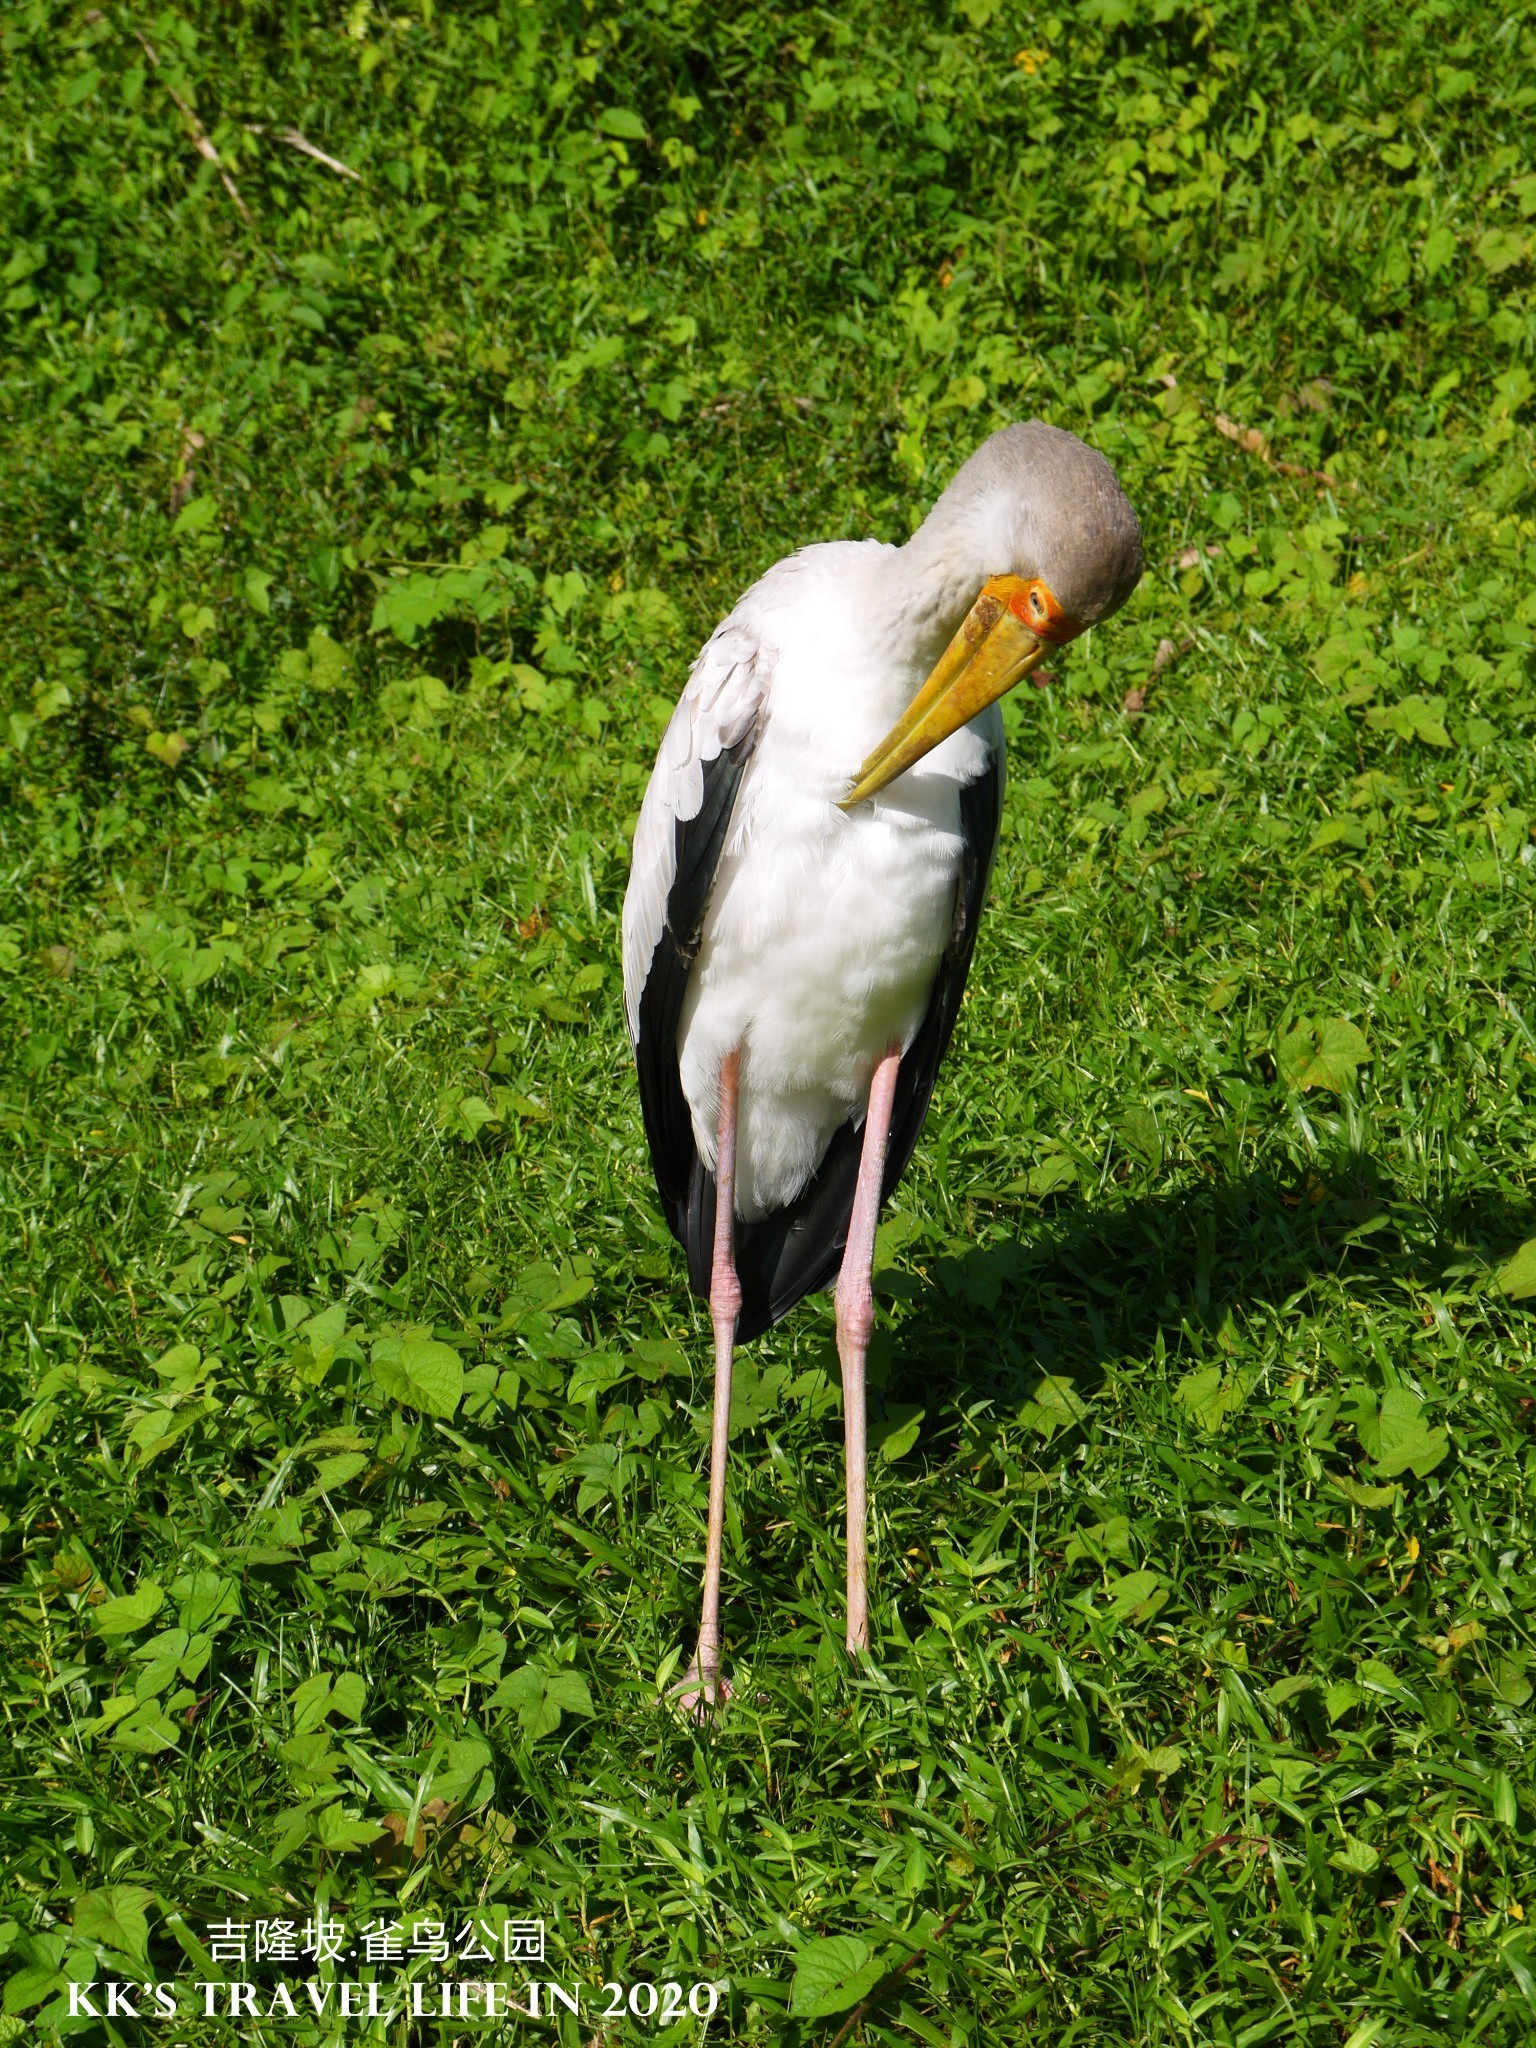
x: 1030, y: 61
x: 702, y: 215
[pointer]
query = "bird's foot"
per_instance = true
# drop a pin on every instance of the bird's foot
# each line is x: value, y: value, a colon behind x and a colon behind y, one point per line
x: 701, y: 1691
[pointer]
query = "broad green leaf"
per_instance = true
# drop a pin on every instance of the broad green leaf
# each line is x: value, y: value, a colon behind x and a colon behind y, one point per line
x: 477, y: 1663
x: 171, y: 1642
x: 472, y: 1115
x: 565, y: 589
x: 463, y: 1764
x: 333, y: 1473
x: 348, y: 1693
x: 1356, y: 1858
x: 966, y: 392
x: 146, y: 1732
x: 334, y: 1827
x: 268, y: 796
x: 1517, y: 1275
x: 1211, y: 1399
x: 1509, y: 1679
x: 901, y: 1440
x: 30, y: 1985
x: 595, y: 1375
x: 195, y: 515
x: 1377, y: 1676
x: 167, y: 746
x: 320, y: 1336
x: 621, y: 122
x: 539, y: 1697
x: 1403, y: 1441
x: 158, y: 1676
x: 543, y: 1289
x: 1290, y: 1775
x: 1342, y: 1697
x: 1138, y: 1133
x: 1363, y: 1496
x: 417, y: 701
x: 1512, y: 388
x: 1337, y: 831
x: 130, y: 1611
x: 1111, y: 1538
x: 1502, y: 1801
x: 181, y: 1362
x: 1138, y: 1763
x: 1455, y: 1640
x: 420, y: 1372
x: 311, y: 1698
x: 509, y: 1102
x: 330, y: 665
x: 116, y: 1918
x: 320, y: 1697
x: 1136, y: 1596
x: 1053, y: 1172
x: 405, y: 607
x: 653, y: 1358
x: 1439, y: 247
x: 205, y: 1601
x: 1056, y: 1405
x: 1290, y: 1688
x: 113, y: 1710
x: 1500, y: 249
x: 1413, y: 718
x: 1322, y: 1053
x: 831, y: 1975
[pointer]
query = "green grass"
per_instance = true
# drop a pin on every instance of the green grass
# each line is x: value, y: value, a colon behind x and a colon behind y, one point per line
x: 355, y: 535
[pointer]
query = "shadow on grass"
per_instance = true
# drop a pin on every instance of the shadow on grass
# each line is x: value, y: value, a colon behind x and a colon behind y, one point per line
x: 1081, y: 1287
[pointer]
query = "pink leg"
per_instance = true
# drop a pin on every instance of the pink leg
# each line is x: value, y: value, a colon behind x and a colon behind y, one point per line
x: 701, y: 1685
x: 855, y: 1325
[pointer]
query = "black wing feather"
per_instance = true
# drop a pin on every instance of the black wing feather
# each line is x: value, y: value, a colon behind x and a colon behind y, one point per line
x: 798, y: 1249
x: 698, y: 842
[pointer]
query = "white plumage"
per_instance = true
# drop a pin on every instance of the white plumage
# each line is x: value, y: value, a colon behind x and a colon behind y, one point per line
x: 809, y: 867
x: 824, y: 926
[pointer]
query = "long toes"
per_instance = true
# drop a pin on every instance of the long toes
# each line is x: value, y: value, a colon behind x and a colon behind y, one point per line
x: 699, y: 1695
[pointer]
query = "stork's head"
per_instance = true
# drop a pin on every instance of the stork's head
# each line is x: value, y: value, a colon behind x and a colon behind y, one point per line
x: 1039, y: 520
x: 1037, y: 504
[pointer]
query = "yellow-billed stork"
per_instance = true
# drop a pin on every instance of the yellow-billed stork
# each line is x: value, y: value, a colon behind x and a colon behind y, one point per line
x: 809, y: 867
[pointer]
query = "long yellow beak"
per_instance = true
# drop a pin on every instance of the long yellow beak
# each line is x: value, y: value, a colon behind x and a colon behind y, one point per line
x: 993, y: 650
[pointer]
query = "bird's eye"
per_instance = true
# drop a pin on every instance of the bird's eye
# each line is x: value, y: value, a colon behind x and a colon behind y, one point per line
x: 1036, y: 605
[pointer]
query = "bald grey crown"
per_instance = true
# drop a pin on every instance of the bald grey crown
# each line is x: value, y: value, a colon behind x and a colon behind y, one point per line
x: 1057, y: 506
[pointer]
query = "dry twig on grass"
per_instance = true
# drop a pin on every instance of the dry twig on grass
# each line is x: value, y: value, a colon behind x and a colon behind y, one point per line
x: 1168, y: 651
x: 297, y: 141
x: 200, y: 138
x: 1253, y: 442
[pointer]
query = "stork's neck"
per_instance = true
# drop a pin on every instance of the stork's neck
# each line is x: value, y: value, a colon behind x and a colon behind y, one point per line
x: 936, y: 581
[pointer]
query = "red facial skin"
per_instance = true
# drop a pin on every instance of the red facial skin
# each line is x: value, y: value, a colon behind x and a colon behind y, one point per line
x: 1036, y: 607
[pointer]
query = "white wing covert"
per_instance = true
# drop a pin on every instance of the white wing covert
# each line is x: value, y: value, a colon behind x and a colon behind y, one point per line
x: 720, y: 706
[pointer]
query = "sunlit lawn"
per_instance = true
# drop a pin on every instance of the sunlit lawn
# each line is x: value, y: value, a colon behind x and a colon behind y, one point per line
x: 356, y: 533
